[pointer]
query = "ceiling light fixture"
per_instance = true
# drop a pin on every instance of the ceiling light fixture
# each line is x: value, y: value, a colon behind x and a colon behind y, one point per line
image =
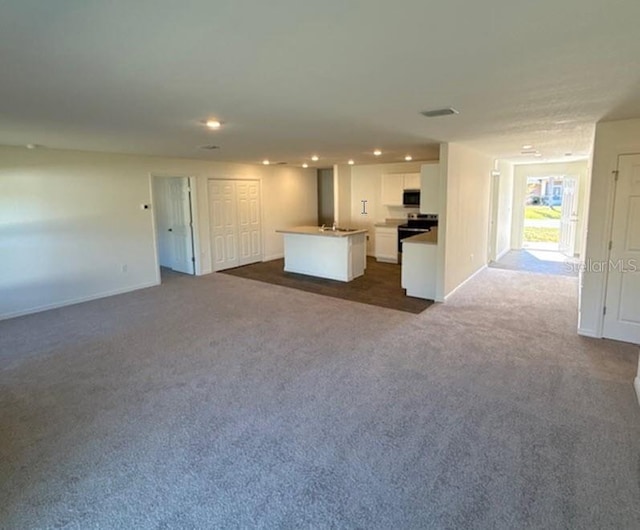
x: 305, y: 165
x: 213, y: 124
x: 351, y: 162
x: 315, y: 158
x: 439, y: 112
x: 408, y: 158
x: 526, y: 147
x: 377, y: 152
x: 266, y: 162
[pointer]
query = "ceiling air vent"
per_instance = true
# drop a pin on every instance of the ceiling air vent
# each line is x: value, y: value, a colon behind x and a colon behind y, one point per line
x: 209, y: 147
x: 280, y: 164
x: 439, y: 112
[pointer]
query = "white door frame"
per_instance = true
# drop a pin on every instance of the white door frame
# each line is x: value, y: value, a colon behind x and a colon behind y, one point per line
x: 494, y: 200
x: 195, y: 230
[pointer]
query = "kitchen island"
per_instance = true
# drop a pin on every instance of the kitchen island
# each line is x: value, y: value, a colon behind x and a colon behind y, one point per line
x: 339, y: 254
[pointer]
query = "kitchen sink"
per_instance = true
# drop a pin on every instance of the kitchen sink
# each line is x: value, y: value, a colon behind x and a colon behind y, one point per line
x: 337, y: 229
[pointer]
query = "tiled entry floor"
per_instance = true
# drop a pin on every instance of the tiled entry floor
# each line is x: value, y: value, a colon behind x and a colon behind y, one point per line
x: 541, y: 261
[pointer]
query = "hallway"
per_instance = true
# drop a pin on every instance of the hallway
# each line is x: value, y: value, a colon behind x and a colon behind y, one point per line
x: 539, y: 261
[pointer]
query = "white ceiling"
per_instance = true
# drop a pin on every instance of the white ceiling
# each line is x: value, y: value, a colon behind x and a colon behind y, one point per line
x: 290, y: 78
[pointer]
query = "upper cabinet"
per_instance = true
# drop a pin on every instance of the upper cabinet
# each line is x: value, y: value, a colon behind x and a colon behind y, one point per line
x: 392, y: 189
x: 412, y: 181
x: 393, y: 184
x: 430, y: 188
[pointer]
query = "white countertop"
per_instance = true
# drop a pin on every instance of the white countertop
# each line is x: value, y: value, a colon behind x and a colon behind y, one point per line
x: 426, y: 238
x: 390, y: 223
x: 315, y: 231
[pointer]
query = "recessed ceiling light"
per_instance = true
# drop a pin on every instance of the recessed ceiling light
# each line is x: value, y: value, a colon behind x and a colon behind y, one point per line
x: 315, y: 158
x: 439, y: 112
x: 408, y: 158
x: 377, y: 152
x: 351, y: 162
x: 213, y: 124
x: 526, y: 147
x: 305, y: 165
x: 266, y: 162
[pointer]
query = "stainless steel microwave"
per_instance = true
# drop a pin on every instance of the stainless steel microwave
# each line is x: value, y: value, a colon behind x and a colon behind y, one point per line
x: 411, y: 198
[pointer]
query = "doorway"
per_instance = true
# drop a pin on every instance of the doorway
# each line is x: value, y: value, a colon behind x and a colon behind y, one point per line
x: 326, y: 207
x: 173, y: 215
x: 550, y: 214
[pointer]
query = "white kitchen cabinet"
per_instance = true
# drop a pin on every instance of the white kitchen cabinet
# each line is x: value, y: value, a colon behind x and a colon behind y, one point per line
x: 430, y: 188
x: 411, y: 181
x: 393, y: 184
x: 386, y: 244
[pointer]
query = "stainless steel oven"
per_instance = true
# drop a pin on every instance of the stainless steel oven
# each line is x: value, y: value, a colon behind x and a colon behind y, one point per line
x: 416, y: 224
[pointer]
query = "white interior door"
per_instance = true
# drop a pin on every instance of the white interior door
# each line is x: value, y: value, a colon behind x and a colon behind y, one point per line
x: 180, y: 231
x: 569, y: 216
x: 161, y: 212
x: 223, y: 224
x: 249, y: 226
x: 622, y: 317
x: 172, y: 197
x: 236, y: 230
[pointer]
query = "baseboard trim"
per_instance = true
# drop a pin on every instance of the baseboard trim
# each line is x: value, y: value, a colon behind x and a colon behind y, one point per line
x: 502, y: 254
x: 588, y: 333
x: 446, y: 297
x: 82, y: 299
x: 272, y: 257
x: 636, y: 384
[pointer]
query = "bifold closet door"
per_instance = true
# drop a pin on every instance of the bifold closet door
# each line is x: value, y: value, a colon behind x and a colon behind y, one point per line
x: 234, y: 217
x: 249, y: 229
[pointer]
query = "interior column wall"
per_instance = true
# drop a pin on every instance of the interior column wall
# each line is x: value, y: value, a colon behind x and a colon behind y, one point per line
x: 466, y: 228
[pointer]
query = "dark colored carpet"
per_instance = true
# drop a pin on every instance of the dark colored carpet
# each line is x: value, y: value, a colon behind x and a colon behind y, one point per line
x: 215, y: 402
x: 379, y: 286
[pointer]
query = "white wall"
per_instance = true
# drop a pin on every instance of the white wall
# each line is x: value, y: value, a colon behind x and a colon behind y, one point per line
x: 366, y: 183
x: 578, y: 169
x: 505, y: 208
x: 289, y: 198
x: 342, y: 194
x: 466, y: 221
x: 611, y: 139
x: 70, y: 221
